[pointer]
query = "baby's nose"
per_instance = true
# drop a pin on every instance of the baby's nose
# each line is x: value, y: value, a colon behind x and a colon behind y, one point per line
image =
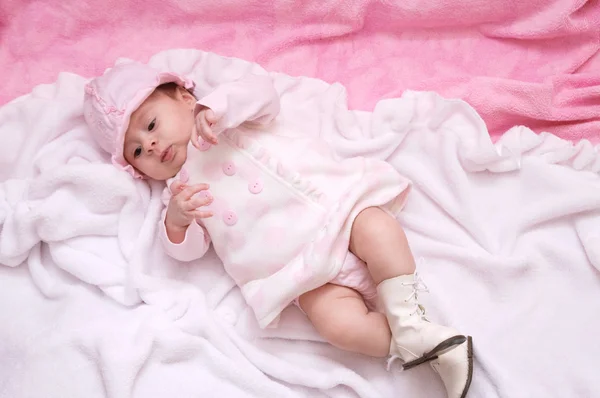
x: 149, y: 144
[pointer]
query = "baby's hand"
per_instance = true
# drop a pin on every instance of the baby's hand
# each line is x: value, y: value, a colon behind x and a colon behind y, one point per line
x: 183, y: 206
x: 205, y: 119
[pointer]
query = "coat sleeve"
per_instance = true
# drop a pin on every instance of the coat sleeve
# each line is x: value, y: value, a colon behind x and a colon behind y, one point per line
x: 194, y: 246
x: 251, y: 99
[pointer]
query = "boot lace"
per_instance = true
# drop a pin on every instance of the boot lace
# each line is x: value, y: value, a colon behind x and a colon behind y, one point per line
x: 418, y: 286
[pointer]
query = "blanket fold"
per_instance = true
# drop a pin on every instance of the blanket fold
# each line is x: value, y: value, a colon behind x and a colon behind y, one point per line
x: 506, y: 233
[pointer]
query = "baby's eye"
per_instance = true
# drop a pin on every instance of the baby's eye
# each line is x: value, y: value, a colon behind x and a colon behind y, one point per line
x: 152, y: 124
x: 137, y: 152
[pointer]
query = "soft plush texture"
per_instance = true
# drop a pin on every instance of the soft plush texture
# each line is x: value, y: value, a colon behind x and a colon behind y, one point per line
x: 507, y: 239
x: 529, y: 62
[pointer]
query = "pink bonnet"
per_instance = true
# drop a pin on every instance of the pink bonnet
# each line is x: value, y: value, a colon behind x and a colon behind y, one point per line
x: 110, y: 100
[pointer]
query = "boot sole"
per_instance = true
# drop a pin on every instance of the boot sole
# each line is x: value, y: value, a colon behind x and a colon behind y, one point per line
x: 438, y: 350
x: 470, y: 375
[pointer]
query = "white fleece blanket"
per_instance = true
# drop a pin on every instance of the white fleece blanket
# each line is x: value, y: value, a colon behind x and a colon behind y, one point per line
x: 508, y: 236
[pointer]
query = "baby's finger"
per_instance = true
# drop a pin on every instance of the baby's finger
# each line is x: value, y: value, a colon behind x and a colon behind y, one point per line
x: 198, y: 215
x: 199, y: 202
x: 195, y: 202
x: 213, y: 138
x: 210, y: 116
x: 207, y: 133
x: 204, y: 127
x: 188, y: 192
x: 210, y: 137
x: 176, y: 187
x: 194, y: 138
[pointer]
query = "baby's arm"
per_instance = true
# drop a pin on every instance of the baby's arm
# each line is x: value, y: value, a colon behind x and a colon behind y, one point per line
x: 182, y: 236
x: 252, y: 98
x: 194, y: 245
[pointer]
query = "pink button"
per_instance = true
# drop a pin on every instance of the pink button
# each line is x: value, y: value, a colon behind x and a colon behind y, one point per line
x: 255, y: 186
x: 205, y: 195
x: 204, y: 146
x: 229, y: 168
x: 230, y: 218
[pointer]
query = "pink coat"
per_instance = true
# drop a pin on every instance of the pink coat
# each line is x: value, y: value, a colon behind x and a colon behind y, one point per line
x: 283, y: 204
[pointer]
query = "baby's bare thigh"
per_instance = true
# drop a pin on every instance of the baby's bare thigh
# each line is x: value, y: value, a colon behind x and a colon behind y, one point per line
x: 341, y: 316
x: 333, y: 306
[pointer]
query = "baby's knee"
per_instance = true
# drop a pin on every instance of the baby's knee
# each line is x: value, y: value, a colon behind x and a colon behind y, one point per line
x: 368, y: 220
x: 369, y: 225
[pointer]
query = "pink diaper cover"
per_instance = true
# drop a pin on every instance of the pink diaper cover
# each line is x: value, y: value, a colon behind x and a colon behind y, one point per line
x: 355, y: 275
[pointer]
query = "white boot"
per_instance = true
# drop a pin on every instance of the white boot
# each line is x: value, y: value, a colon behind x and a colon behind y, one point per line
x: 415, y: 340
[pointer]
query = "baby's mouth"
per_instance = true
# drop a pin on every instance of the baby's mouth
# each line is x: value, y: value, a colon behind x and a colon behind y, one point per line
x: 167, y: 154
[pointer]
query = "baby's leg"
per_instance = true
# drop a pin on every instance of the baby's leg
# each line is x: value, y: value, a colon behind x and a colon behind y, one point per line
x: 379, y: 240
x: 340, y: 315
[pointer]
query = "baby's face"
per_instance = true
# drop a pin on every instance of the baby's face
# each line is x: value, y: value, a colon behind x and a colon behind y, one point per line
x: 158, y: 134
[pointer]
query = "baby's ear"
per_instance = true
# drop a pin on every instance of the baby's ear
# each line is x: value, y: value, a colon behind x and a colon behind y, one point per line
x: 185, y: 95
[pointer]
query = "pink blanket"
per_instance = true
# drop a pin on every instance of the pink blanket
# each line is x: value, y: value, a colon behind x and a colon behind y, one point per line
x: 531, y: 62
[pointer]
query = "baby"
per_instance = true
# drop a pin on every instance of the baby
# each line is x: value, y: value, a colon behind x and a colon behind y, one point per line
x: 291, y: 222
